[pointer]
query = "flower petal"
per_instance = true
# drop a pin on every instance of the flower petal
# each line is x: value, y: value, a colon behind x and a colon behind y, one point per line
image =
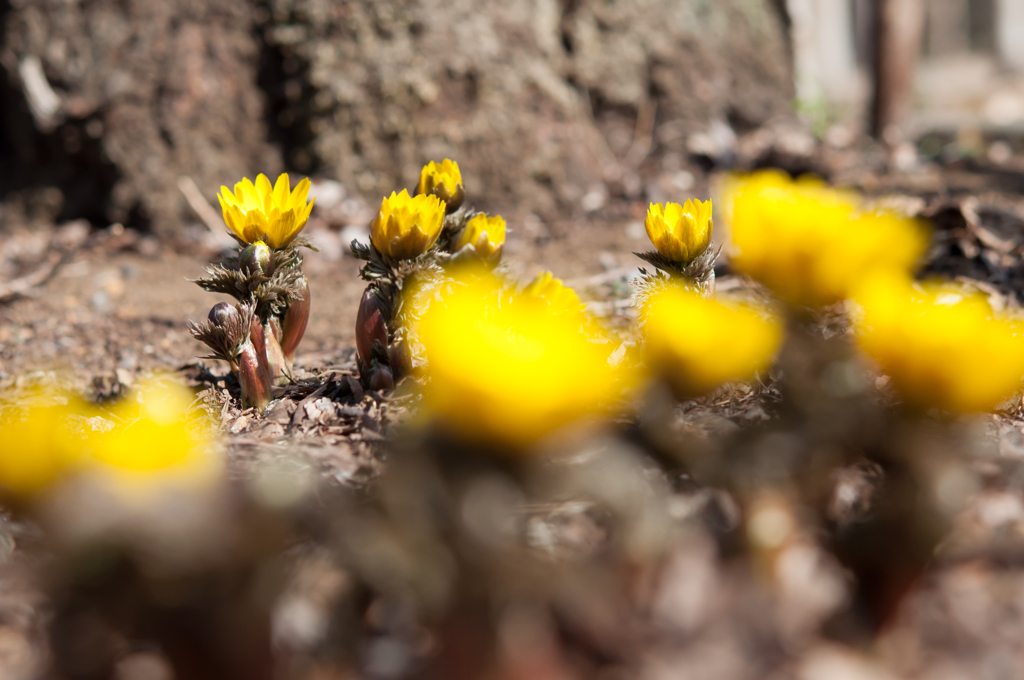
x: 282, y: 190
x: 264, y: 192
x: 300, y: 193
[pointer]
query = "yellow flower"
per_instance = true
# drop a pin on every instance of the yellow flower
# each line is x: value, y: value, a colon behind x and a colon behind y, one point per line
x: 505, y: 375
x: 680, y: 232
x: 810, y: 244
x: 486, y: 234
x: 258, y: 211
x: 699, y: 344
x: 38, y: 442
x: 156, y: 442
x: 444, y: 181
x: 407, y: 226
x: 940, y: 345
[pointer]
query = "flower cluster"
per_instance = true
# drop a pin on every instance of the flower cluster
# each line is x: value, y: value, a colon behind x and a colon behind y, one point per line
x: 260, y: 335
x: 814, y: 246
x: 413, y: 241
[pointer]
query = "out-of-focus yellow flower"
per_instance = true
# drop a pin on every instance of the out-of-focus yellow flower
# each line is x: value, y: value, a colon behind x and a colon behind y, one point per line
x: 680, y: 232
x: 811, y: 244
x: 941, y: 346
x: 259, y: 212
x: 549, y: 295
x: 407, y: 226
x: 699, y: 344
x: 505, y: 375
x: 156, y: 442
x: 559, y: 297
x: 444, y: 181
x: 485, y: 233
x: 38, y: 442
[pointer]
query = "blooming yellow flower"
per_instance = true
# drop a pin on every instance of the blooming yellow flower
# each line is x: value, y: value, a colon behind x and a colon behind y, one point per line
x: 506, y: 375
x: 486, y: 234
x: 680, y: 232
x: 810, y: 244
x: 38, y: 442
x: 407, y: 226
x: 699, y: 344
x: 258, y: 211
x: 444, y: 181
x: 940, y: 345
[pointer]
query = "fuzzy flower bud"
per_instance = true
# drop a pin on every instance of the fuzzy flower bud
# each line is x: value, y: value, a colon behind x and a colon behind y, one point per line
x: 255, y: 258
x: 222, y: 314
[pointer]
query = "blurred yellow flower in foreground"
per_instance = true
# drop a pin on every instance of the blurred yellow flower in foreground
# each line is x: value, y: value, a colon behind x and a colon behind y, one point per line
x: 444, y: 181
x: 811, y: 244
x: 680, y: 232
x: 485, y: 233
x: 559, y: 297
x: 148, y: 439
x: 407, y: 226
x: 156, y: 441
x: 941, y: 346
x: 699, y: 344
x: 506, y: 375
x: 38, y: 442
x: 259, y: 212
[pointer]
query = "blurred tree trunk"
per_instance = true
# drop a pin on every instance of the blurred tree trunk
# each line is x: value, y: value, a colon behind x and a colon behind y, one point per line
x: 898, y: 29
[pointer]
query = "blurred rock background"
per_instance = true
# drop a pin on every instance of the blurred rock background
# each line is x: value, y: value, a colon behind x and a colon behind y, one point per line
x: 105, y: 105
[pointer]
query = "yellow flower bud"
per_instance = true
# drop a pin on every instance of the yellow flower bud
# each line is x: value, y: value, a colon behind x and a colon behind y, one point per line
x: 444, y: 181
x: 485, y: 234
x: 941, y: 346
x: 680, y: 232
x: 698, y: 344
x: 407, y: 226
x: 261, y: 212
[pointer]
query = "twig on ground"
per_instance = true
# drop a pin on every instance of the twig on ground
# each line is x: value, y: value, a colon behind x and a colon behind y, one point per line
x: 23, y: 286
x: 199, y: 204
